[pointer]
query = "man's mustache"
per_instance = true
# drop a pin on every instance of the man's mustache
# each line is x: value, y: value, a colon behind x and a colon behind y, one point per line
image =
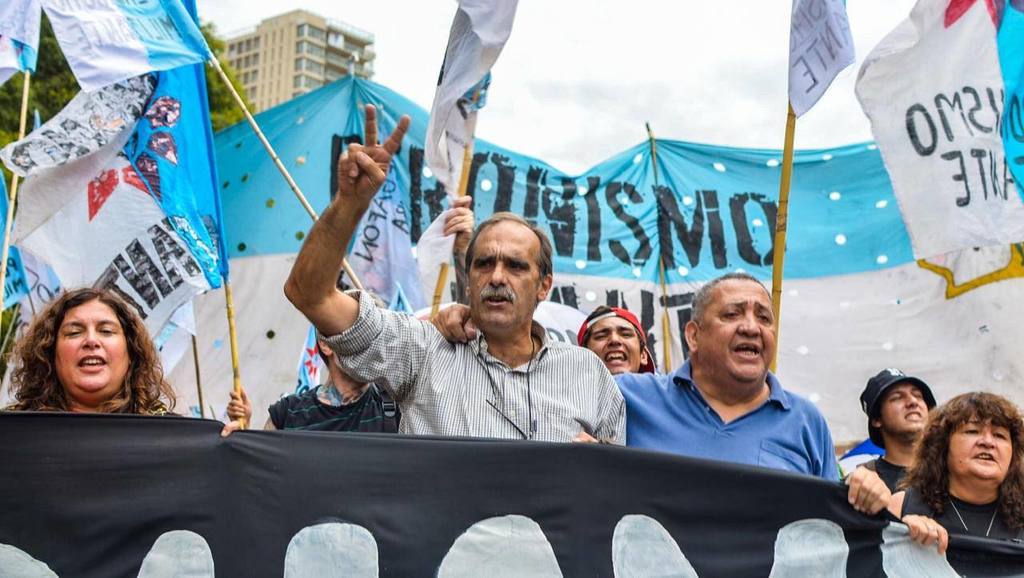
x: 499, y: 291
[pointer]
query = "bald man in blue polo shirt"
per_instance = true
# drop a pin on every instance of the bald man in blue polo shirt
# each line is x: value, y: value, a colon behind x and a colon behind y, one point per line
x: 724, y: 404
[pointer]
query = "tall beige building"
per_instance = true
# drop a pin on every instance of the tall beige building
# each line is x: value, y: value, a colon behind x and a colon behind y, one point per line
x: 296, y: 52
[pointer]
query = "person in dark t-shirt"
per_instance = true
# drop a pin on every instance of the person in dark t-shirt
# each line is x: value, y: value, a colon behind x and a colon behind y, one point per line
x: 341, y: 405
x: 897, y: 406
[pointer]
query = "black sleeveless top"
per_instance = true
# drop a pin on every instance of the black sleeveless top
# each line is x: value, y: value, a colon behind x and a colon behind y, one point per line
x: 962, y: 518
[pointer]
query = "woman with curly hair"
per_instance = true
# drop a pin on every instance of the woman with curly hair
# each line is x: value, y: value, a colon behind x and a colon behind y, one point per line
x: 968, y: 474
x: 88, y: 351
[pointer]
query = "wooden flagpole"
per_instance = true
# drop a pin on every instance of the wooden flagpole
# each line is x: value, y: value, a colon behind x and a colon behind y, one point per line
x: 199, y: 381
x: 779, y: 251
x: 442, y: 278
x: 277, y: 161
x: 467, y: 160
x: 236, y: 373
x: 666, y: 326
x: 13, y: 195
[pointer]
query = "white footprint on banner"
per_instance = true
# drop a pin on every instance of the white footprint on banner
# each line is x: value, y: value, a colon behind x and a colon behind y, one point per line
x: 178, y: 554
x: 811, y: 547
x: 332, y: 550
x: 642, y: 547
x: 903, y: 558
x: 15, y: 563
x: 501, y: 547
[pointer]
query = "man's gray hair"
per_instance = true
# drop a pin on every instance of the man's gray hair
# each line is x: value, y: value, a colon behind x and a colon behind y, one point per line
x: 702, y: 297
x: 543, y: 260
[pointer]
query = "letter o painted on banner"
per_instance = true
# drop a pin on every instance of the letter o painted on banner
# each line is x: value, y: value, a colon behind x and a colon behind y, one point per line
x: 368, y: 236
x: 915, y: 140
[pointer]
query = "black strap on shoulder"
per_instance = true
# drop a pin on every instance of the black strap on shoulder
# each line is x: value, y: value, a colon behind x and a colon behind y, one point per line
x: 390, y: 407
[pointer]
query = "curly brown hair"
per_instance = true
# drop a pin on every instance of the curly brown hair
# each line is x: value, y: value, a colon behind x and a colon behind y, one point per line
x: 929, y: 474
x: 35, y: 385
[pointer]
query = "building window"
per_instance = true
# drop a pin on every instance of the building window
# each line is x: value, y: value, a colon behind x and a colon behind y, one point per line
x: 256, y: 43
x: 298, y: 81
x: 255, y: 59
x: 311, y: 32
x: 303, y: 47
x: 308, y: 65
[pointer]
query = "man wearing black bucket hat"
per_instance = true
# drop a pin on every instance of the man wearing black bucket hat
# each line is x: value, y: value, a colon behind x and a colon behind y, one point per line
x: 897, y: 406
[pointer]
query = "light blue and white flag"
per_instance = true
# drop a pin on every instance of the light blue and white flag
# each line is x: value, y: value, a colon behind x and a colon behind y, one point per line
x: 310, y: 363
x: 106, y: 41
x: 820, y: 47
x: 945, y: 95
x: 19, y: 37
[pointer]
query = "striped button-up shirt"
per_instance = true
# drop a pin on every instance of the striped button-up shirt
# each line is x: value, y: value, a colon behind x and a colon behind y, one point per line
x: 459, y: 389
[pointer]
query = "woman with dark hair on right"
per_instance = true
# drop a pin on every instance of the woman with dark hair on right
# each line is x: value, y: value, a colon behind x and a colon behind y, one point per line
x: 89, y: 351
x: 968, y: 474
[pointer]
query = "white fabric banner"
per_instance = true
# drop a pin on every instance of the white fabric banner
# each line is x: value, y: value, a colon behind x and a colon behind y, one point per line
x: 820, y: 47
x: 479, y: 32
x: 934, y: 95
x: 113, y: 234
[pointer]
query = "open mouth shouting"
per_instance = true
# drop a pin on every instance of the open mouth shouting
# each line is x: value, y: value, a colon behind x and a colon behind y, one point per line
x: 92, y: 363
x: 748, y: 350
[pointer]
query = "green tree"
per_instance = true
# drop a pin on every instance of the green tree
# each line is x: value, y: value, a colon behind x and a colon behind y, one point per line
x: 51, y: 87
x: 223, y: 110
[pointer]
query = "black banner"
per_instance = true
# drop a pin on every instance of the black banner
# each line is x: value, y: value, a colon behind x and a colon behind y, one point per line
x: 90, y: 495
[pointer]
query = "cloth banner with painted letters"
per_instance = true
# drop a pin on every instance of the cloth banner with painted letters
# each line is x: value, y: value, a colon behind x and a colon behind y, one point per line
x: 945, y: 95
x: 173, y: 498
x: 855, y: 300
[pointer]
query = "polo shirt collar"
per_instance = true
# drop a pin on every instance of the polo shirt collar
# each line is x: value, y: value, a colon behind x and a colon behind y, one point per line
x: 683, y: 377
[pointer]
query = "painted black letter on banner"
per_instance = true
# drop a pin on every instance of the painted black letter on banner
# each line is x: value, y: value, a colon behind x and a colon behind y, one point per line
x: 593, y: 220
x: 643, y: 252
x: 145, y: 278
x: 715, y: 229
x: 915, y: 139
x: 560, y: 209
x: 668, y: 215
x: 418, y: 196
x: 744, y: 240
x: 506, y: 182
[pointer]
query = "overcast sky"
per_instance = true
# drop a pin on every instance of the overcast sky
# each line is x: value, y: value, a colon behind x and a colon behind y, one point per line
x: 578, y: 78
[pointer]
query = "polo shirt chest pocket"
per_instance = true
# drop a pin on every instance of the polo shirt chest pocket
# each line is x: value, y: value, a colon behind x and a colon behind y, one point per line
x: 776, y: 456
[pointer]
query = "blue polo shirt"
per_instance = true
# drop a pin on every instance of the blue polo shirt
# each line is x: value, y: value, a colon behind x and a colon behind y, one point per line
x: 668, y: 413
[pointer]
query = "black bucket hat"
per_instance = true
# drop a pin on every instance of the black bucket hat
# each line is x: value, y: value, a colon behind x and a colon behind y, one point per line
x: 871, y: 398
